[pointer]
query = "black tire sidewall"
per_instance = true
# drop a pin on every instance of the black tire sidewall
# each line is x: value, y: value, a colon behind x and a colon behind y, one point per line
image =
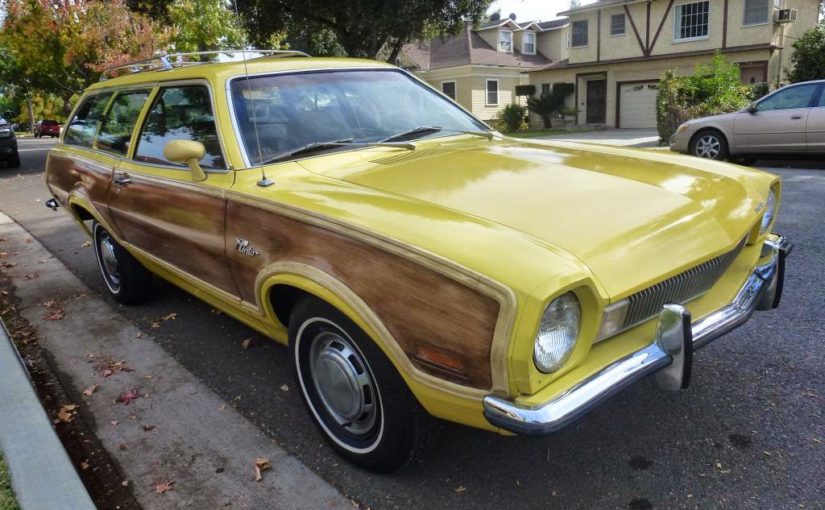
x: 402, y: 420
x: 135, y: 280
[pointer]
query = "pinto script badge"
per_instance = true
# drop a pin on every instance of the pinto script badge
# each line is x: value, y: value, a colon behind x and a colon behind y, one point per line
x: 242, y: 245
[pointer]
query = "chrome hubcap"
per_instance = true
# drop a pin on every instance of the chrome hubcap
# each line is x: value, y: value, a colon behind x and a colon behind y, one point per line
x: 708, y: 146
x: 340, y: 377
x: 108, y: 259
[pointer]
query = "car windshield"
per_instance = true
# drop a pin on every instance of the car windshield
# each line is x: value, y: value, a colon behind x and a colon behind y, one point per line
x: 287, y: 111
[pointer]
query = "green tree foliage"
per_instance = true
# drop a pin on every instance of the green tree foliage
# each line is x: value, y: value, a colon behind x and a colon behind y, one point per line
x: 808, y: 56
x: 203, y: 25
x: 363, y: 28
x: 711, y: 90
x: 59, y: 47
x: 511, y: 118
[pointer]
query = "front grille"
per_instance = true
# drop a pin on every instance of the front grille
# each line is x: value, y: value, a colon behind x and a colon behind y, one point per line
x: 680, y: 289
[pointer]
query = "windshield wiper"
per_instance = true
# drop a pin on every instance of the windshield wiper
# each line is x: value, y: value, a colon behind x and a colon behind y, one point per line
x: 344, y: 142
x: 412, y: 133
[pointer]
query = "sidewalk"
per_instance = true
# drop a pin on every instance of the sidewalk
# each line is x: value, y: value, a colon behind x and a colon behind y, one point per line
x: 622, y: 137
x: 157, y: 420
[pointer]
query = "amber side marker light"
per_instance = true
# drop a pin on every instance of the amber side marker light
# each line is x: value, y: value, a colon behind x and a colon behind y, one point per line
x: 440, y: 361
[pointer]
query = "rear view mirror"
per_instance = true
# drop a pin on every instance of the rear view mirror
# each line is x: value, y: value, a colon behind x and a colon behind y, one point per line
x: 753, y: 107
x: 188, y: 152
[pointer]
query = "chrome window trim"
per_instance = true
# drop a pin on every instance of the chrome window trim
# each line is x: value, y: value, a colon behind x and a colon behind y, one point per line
x: 419, y: 81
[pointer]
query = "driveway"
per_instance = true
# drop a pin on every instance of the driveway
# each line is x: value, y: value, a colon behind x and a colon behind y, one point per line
x: 622, y: 137
x: 749, y: 433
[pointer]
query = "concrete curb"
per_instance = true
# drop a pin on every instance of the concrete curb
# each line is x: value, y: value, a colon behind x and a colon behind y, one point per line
x: 42, y: 475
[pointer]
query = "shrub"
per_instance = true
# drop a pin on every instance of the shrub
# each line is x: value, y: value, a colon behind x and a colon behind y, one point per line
x: 546, y: 105
x: 806, y: 58
x: 511, y: 118
x: 564, y: 89
x: 711, y: 90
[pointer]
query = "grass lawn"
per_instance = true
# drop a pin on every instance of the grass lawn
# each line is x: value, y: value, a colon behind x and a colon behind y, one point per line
x: 543, y: 132
x: 7, y: 501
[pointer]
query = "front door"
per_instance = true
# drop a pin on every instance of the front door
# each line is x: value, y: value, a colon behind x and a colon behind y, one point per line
x: 596, y: 99
x: 154, y: 202
x: 778, y: 124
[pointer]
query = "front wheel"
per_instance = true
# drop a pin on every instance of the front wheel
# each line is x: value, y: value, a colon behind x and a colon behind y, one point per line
x: 14, y: 162
x: 126, y: 279
x: 354, y: 394
x: 710, y: 144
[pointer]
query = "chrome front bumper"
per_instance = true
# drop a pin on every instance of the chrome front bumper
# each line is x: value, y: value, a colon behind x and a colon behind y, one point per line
x: 669, y: 357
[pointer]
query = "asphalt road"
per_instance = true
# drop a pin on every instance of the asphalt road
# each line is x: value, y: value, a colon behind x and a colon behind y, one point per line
x: 749, y: 433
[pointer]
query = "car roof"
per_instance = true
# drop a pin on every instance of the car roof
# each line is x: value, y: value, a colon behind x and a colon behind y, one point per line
x: 228, y: 70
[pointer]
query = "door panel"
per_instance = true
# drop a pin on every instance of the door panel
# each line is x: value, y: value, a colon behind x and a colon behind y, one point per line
x: 596, y: 98
x: 816, y: 126
x: 164, y: 213
x: 771, y: 131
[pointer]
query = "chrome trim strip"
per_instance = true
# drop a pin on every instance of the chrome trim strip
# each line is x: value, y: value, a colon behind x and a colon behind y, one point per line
x: 761, y: 291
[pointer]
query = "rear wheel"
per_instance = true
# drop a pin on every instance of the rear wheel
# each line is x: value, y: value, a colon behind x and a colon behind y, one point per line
x: 354, y: 394
x: 710, y: 144
x: 125, y: 278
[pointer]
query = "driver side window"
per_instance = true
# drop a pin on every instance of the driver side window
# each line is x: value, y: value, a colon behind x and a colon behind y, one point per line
x: 793, y: 97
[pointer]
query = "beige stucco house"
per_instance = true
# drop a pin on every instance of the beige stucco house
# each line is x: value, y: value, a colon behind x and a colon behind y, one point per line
x: 616, y: 50
x: 481, y: 67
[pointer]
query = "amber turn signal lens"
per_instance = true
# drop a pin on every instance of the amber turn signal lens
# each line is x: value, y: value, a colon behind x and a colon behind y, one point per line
x: 437, y: 358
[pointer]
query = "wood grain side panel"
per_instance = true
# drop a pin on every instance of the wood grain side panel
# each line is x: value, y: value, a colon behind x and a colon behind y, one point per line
x: 417, y: 305
x: 180, y: 225
x: 67, y: 173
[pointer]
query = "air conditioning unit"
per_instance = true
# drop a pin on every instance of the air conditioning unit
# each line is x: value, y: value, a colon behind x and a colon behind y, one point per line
x: 784, y: 15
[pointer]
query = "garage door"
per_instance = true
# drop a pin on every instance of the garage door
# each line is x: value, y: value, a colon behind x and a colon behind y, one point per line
x: 637, y: 105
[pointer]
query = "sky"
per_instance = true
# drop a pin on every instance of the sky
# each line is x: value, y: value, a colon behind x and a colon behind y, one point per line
x: 528, y: 10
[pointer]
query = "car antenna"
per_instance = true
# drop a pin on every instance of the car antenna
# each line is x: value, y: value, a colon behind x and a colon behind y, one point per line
x: 264, y: 182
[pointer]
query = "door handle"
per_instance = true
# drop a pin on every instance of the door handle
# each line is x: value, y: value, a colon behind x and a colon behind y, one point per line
x: 796, y: 117
x: 122, y: 178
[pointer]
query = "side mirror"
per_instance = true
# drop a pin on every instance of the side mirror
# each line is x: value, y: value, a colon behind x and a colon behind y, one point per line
x: 188, y: 152
x: 753, y: 107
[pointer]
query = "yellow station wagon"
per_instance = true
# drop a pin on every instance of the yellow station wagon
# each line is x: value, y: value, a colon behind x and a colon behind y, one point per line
x: 415, y: 262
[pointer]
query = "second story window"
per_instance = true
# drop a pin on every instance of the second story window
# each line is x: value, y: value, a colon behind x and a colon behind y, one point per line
x: 529, y: 44
x: 579, y: 34
x: 691, y: 21
x: 617, y: 24
x: 756, y: 12
x: 505, y: 40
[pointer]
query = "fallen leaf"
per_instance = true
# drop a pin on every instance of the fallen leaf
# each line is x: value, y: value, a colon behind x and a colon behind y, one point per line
x: 90, y: 390
x: 246, y: 344
x: 106, y: 372
x: 114, y: 423
x: 148, y: 428
x: 86, y: 244
x: 719, y: 465
x: 221, y: 407
x: 169, y: 317
x: 125, y: 483
x: 139, y: 334
x: 55, y: 315
x: 122, y: 446
x: 129, y: 397
x: 162, y: 487
x: 66, y: 413
x: 155, y: 325
x: 85, y: 465
x: 31, y: 276
x: 261, y: 465
x: 8, y: 265
x: 460, y: 489
x: 284, y: 387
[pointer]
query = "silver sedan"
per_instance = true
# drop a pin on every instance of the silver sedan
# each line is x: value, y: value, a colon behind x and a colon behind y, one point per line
x: 788, y: 121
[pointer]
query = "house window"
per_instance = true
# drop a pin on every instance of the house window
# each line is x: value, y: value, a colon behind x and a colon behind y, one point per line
x: 757, y: 12
x: 505, y: 40
x: 529, y: 46
x: 545, y: 89
x: 448, y: 88
x: 691, y: 21
x: 492, y: 92
x: 579, y: 37
x: 617, y: 24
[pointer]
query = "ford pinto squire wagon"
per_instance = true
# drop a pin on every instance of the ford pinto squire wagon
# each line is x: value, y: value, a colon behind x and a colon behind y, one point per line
x: 415, y: 262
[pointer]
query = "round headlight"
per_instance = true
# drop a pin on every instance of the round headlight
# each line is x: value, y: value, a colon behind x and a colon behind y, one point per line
x: 558, y: 331
x: 770, y: 210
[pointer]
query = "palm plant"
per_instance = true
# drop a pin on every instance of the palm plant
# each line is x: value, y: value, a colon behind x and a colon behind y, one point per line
x: 546, y: 105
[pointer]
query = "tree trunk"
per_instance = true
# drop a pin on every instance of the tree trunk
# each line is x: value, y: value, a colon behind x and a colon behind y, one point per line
x: 31, y: 113
x: 396, y: 49
x: 548, y: 122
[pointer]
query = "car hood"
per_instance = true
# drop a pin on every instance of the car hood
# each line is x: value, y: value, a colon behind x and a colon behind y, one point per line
x: 633, y: 217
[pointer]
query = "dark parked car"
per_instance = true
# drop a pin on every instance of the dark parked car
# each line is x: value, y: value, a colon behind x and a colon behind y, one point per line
x: 8, y: 144
x: 47, y: 128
